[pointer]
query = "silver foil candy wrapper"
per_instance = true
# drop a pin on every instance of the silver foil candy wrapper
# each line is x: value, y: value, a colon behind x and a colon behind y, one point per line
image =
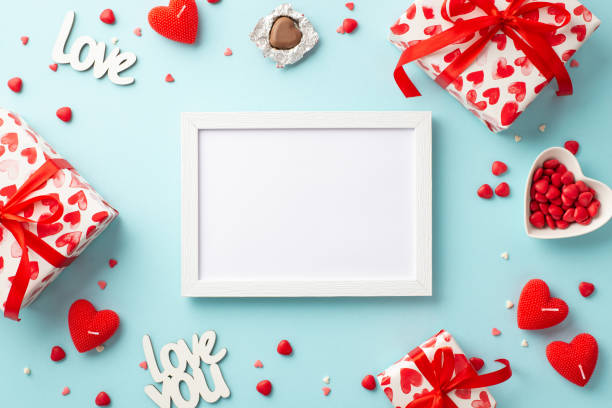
x: 261, y: 36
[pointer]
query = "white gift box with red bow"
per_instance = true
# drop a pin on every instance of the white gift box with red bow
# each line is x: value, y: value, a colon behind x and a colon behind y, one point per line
x: 83, y: 213
x: 499, y: 85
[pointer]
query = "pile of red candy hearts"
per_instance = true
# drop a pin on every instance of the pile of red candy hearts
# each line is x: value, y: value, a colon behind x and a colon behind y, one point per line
x: 557, y: 200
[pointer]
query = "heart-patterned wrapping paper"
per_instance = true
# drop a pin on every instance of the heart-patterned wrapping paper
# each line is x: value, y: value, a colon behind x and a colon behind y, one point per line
x: 85, y: 214
x: 501, y: 82
x: 402, y: 382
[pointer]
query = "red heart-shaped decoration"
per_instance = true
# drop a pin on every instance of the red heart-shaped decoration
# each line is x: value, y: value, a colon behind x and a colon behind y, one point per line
x: 574, y: 361
x: 177, y: 22
x: 537, y: 310
x: 90, y: 328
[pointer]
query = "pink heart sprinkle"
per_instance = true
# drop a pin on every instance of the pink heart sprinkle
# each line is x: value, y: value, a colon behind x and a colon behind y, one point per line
x: 228, y: 52
x: 102, y: 284
x: 25, y: 39
x: 66, y: 391
x: 495, y: 332
x: 169, y: 78
x: 340, y: 30
x: 144, y: 365
x: 138, y: 31
x: 258, y: 364
x: 326, y: 391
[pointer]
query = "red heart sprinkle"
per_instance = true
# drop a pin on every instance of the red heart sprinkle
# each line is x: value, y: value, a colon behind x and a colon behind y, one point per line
x: 264, y: 387
x: 15, y: 84
x: 575, y: 361
x: 326, y: 391
x: 258, y: 364
x: 90, y: 328
x: 102, y: 284
x: 586, y: 289
x: 102, y: 399
x: 65, y: 391
x: 502, y: 190
x: 574, y: 63
x: 485, y: 191
x: 143, y: 365
x: 350, y: 5
x: 53, y: 67
x: 537, y: 310
x: 368, y: 382
x: 572, y: 146
x: 57, y: 354
x: 64, y: 113
x: 24, y: 39
x: 107, y: 16
x: 112, y: 263
x: 498, y: 168
x: 495, y: 332
x: 284, y: 348
x: 178, y: 21
x: 477, y: 363
x: 169, y: 78
x: 349, y: 25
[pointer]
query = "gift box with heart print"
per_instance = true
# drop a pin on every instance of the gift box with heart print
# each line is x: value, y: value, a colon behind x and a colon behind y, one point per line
x: 436, y: 371
x: 502, y: 81
x: 27, y: 199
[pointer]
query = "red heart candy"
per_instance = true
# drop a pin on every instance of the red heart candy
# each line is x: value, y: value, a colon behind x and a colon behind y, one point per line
x: 408, y: 378
x: 349, y: 25
x: 572, y: 146
x: 586, y: 289
x: 326, y: 391
x: 284, y: 348
x: 264, y: 387
x: 107, y: 16
x: 368, y: 382
x: 350, y: 5
x: 53, y: 67
x: 502, y: 190
x: 24, y: 39
x: 574, y: 361
x: 102, y: 399
x: 15, y: 84
x: 537, y: 310
x: 492, y: 94
x: 64, y: 113
x: 177, y: 22
x: 485, y: 191
x: 90, y: 328
x: 57, y: 354
x: 498, y: 168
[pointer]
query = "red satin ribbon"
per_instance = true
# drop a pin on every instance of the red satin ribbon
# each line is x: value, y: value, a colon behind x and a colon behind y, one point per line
x: 529, y: 37
x: 27, y: 240
x: 439, y: 373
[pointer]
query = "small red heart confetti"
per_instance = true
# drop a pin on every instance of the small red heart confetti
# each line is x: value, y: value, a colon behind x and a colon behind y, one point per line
x: 65, y: 391
x: 572, y: 146
x: 53, y: 67
x: 498, y: 168
x: 138, y: 32
x: 349, y: 25
x: 143, y: 365
x: 502, y: 190
x: 64, y: 113
x: 495, y: 332
x: 537, y: 310
x: 15, y: 84
x: 264, y: 387
x: 586, y: 289
x: 326, y: 391
x: 284, y: 348
x: 477, y: 363
x: 368, y: 382
x: 574, y: 63
x: 102, y: 284
x: 102, y: 399
x: 112, y: 263
x: 258, y: 364
x: 107, y: 16
x: 485, y: 191
x: 57, y: 354
x: 350, y: 6
x: 228, y: 52
x: 575, y: 361
x: 25, y: 39
x: 169, y: 78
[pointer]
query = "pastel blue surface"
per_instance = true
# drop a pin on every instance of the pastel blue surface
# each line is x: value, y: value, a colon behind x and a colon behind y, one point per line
x: 125, y: 141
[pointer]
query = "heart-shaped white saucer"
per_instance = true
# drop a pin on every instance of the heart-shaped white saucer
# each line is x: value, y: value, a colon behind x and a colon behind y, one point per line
x: 604, y: 195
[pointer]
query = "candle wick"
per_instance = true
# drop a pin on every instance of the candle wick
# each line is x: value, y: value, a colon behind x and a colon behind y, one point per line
x: 181, y: 12
x: 550, y: 309
x: 94, y: 333
x: 581, y: 371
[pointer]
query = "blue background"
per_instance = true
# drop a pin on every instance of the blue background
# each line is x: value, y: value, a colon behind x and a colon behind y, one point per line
x: 125, y: 141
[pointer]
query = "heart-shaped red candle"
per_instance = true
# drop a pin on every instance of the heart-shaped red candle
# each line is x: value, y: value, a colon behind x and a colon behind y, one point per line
x: 178, y: 21
x: 90, y: 328
x: 574, y: 361
x: 537, y: 310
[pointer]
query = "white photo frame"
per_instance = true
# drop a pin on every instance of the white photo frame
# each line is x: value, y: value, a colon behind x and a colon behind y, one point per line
x: 366, y: 175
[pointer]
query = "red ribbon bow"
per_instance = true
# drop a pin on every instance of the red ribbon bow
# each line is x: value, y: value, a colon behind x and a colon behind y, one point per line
x: 439, y: 373
x: 15, y: 224
x: 529, y: 36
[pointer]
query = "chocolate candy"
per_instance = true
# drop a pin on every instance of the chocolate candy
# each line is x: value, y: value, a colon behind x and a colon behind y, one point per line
x: 285, y: 34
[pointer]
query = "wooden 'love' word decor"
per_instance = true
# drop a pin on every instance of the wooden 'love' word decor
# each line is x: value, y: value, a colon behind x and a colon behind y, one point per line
x: 95, y: 56
x: 172, y: 375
